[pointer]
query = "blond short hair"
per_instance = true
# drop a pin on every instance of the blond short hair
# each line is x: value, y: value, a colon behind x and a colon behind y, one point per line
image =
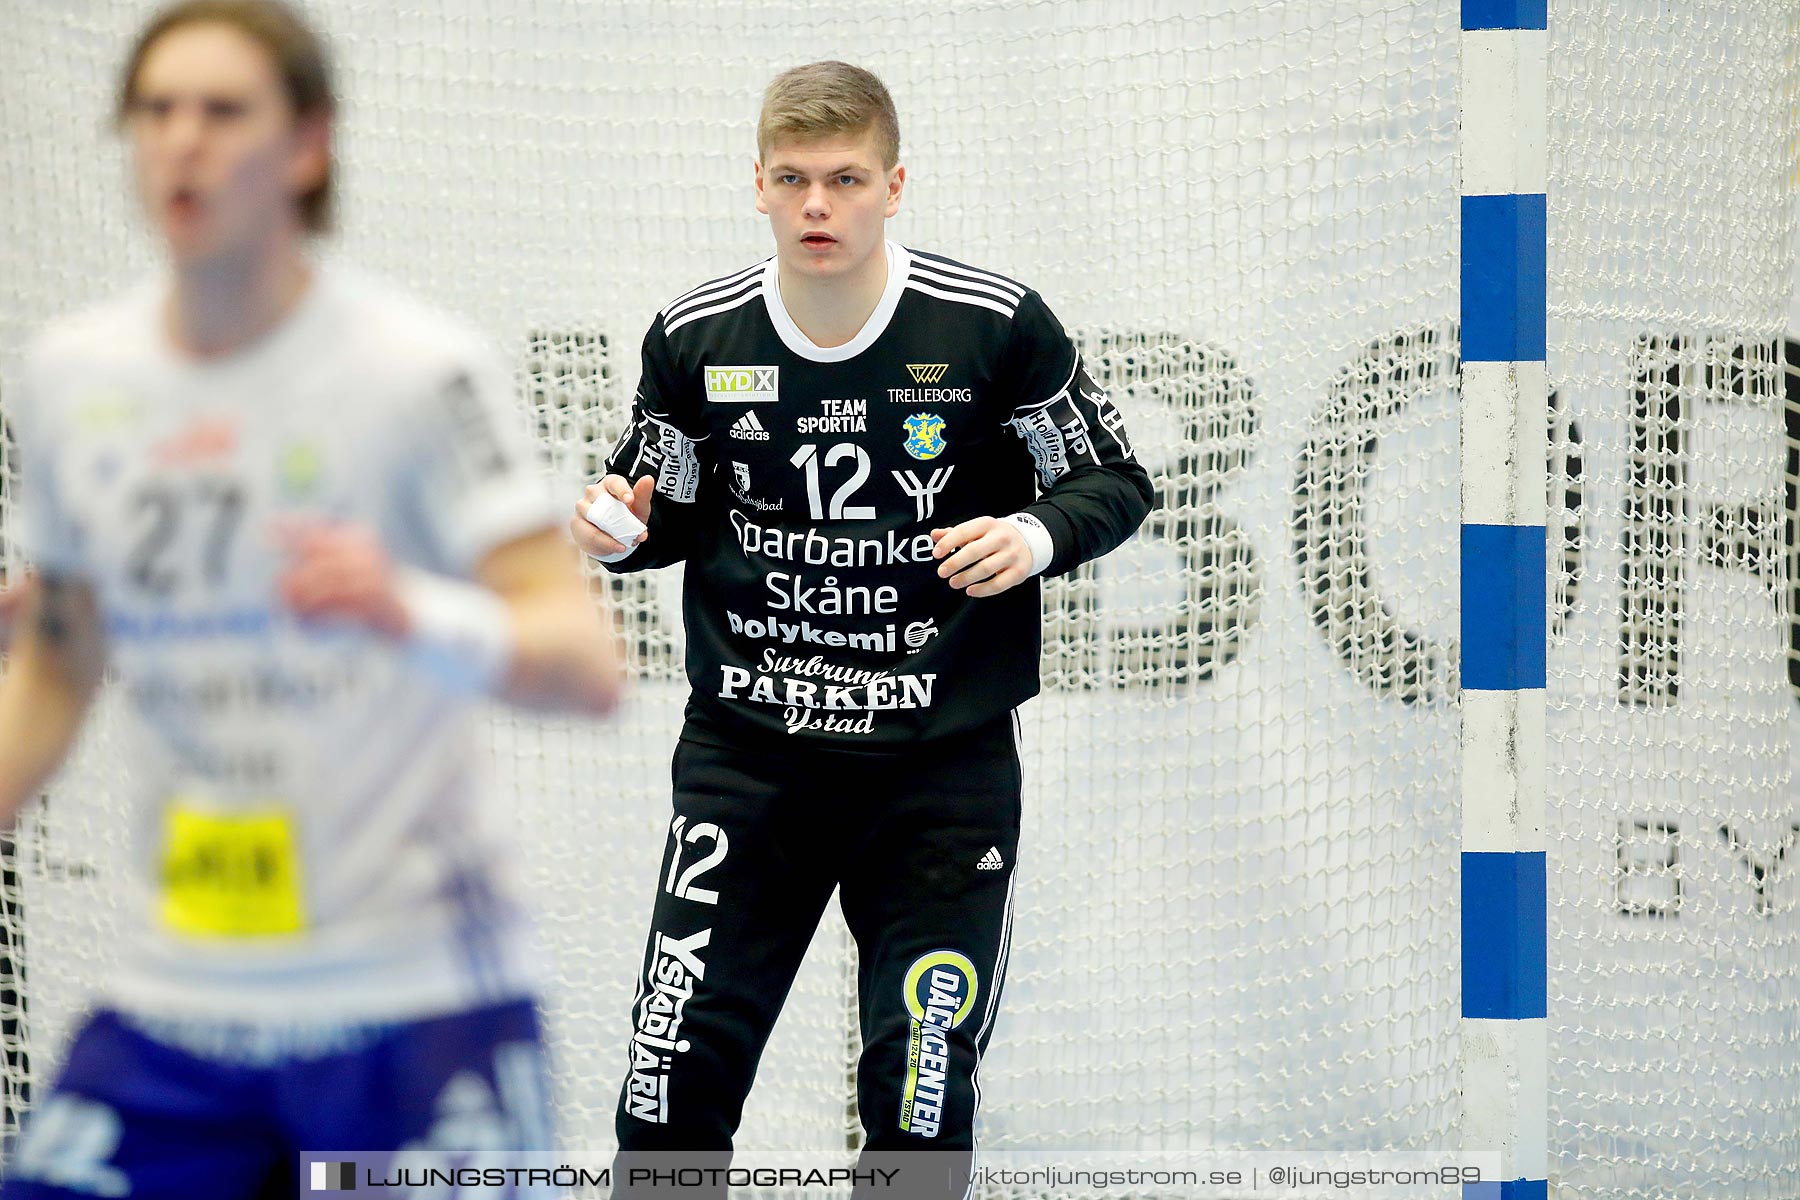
x: 825, y: 98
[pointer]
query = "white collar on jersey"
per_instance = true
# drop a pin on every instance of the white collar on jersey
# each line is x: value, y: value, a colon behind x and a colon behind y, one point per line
x: 899, y: 264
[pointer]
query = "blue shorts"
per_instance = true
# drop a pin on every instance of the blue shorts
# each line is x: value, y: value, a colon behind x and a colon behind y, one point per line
x: 161, y: 1111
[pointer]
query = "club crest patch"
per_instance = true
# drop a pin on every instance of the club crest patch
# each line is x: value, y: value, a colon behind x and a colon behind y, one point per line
x: 924, y: 435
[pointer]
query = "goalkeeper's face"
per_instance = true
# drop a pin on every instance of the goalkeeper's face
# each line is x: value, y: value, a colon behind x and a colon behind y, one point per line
x: 220, y: 157
x: 828, y: 201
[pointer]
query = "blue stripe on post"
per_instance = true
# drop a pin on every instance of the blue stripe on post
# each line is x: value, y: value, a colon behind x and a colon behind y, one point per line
x: 1504, y: 929
x: 1506, y: 14
x: 1503, y: 600
x: 1503, y: 267
x: 1510, y: 1189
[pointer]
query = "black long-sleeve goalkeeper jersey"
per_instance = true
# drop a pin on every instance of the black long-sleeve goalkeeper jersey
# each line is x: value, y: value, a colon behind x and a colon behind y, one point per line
x: 800, y: 483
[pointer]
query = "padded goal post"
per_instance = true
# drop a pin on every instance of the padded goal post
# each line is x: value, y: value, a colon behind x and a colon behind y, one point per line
x: 1239, y: 913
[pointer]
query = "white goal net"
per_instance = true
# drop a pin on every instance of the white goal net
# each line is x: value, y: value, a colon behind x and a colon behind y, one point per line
x: 1238, y: 905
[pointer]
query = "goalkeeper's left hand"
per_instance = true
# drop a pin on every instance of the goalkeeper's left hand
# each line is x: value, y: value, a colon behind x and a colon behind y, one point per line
x: 985, y: 556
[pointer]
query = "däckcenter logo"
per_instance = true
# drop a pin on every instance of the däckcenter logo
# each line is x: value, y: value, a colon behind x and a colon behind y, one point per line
x: 940, y: 991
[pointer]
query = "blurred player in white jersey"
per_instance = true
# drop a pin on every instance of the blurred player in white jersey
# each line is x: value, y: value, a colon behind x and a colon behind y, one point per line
x: 297, y: 516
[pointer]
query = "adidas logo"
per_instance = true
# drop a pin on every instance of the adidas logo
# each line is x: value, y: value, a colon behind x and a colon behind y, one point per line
x: 748, y: 429
x: 991, y: 861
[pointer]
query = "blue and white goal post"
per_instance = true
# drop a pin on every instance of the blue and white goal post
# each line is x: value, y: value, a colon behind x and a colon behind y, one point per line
x: 1504, y: 449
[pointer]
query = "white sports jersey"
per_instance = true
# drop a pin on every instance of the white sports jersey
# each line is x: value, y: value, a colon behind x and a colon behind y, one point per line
x: 309, y: 830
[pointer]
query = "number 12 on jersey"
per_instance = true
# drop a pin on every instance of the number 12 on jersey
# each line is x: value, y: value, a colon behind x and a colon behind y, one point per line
x: 807, y: 459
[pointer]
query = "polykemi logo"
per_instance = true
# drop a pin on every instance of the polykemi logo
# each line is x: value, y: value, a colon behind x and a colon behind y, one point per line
x: 926, y: 372
x: 334, y: 1177
x: 741, y: 385
x: 940, y: 990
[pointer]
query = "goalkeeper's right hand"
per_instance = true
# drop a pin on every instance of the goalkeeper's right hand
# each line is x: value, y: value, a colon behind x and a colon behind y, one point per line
x: 586, y: 525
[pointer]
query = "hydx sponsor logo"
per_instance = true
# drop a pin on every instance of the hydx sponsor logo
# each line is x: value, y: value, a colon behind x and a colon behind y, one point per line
x: 741, y: 385
x: 748, y: 429
x: 940, y: 990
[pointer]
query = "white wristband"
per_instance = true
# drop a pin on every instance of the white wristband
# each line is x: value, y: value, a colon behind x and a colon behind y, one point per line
x: 462, y: 633
x: 1037, y: 536
x: 613, y: 518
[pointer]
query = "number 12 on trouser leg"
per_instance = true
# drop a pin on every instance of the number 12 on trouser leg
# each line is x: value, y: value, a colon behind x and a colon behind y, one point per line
x: 736, y: 905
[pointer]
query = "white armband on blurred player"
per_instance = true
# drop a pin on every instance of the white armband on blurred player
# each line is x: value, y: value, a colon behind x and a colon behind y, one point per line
x: 462, y: 633
x: 611, y: 517
x: 1037, y: 536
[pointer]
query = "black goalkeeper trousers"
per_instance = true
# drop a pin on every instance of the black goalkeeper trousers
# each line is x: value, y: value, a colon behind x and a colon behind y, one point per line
x: 921, y: 844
